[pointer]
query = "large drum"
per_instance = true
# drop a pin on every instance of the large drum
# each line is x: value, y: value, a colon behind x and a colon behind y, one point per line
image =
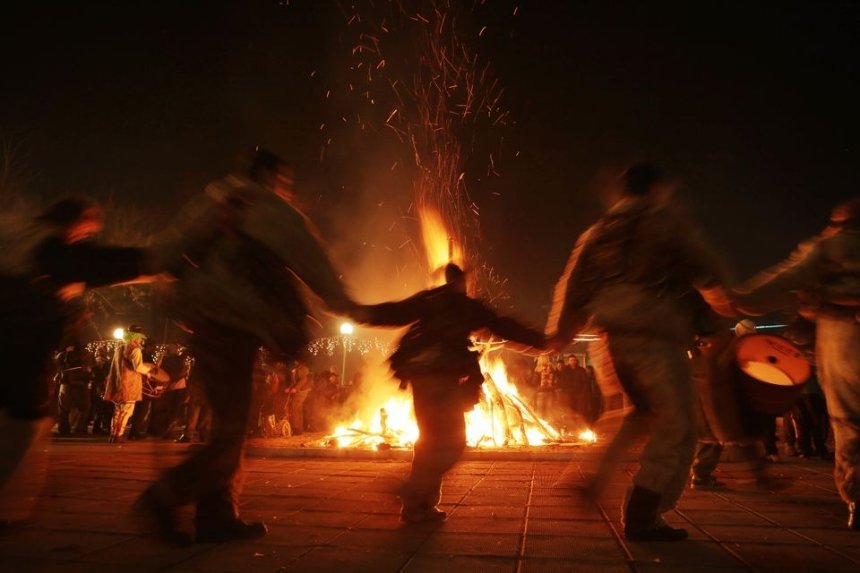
x: 773, y: 372
x: 155, y: 383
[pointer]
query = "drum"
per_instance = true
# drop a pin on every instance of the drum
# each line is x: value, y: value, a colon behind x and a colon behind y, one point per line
x: 159, y: 375
x: 773, y: 372
x: 155, y: 383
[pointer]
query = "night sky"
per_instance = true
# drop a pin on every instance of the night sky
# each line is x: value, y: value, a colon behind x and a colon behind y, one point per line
x: 753, y: 107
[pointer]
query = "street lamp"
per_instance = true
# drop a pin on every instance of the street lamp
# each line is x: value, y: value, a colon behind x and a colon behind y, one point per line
x: 346, y: 329
x: 118, y: 333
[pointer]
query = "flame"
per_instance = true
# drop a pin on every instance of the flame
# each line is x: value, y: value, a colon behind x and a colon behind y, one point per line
x: 500, y: 419
x: 588, y: 436
x: 439, y: 244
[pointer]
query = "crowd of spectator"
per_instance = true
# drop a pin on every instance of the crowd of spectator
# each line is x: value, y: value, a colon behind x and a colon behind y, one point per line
x: 289, y: 399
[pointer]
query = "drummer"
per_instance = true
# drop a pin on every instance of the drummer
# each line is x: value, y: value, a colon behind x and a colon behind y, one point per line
x: 125, y: 379
x: 721, y: 415
x: 824, y: 269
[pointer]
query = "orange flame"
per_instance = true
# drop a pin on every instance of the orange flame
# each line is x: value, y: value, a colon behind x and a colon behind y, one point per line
x: 439, y: 245
x: 501, y: 417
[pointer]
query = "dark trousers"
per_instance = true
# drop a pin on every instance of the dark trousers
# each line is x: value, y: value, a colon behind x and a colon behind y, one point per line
x: 805, y: 426
x: 166, y: 411
x: 101, y: 411
x: 140, y: 419
x: 296, y: 410
x: 73, y: 397
x: 706, y: 460
x: 442, y: 426
x: 210, y: 477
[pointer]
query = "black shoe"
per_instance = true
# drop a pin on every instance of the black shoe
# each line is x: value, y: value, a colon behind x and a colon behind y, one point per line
x: 707, y: 483
x: 853, y: 518
x: 183, y: 439
x: 434, y: 514
x: 230, y: 531
x: 161, y: 520
x: 661, y: 533
x: 642, y: 522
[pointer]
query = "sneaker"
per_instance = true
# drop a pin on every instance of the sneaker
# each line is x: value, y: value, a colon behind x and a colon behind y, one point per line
x: 774, y: 458
x: 707, y: 483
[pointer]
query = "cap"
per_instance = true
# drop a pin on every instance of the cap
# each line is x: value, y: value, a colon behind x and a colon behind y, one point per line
x: 134, y: 332
x: 744, y: 327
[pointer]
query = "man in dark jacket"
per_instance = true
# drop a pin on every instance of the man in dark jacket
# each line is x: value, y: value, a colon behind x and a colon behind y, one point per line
x: 434, y: 357
x: 624, y: 281
x: 238, y: 292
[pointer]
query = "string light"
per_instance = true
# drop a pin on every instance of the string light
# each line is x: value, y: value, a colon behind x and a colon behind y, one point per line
x: 330, y: 344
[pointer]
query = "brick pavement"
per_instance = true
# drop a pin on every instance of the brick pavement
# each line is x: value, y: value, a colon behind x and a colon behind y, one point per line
x: 339, y: 515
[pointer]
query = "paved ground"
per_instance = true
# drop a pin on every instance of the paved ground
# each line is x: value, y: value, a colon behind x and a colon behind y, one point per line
x: 339, y: 515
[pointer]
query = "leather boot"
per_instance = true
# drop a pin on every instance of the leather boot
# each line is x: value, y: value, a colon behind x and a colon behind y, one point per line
x: 217, y: 519
x: 161, y: 519
x: 641, y: 521
x: 853, y: 518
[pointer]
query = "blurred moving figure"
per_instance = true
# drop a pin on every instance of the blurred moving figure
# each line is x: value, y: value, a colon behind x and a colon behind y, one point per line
x: 434, y: 357
x: 237, y: 292
x: 41, y: 279
x: 625, y: 280
x: 823, y: 277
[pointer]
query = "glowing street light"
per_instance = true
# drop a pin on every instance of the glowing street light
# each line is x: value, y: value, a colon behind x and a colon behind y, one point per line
x: 118, y: 333
x: 346, y: 328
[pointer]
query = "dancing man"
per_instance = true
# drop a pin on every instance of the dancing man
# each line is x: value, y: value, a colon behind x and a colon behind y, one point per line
x: 434, y: 357
x: 624, y: 281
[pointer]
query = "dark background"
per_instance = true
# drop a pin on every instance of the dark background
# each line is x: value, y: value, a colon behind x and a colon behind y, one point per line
x: 753, y: 106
